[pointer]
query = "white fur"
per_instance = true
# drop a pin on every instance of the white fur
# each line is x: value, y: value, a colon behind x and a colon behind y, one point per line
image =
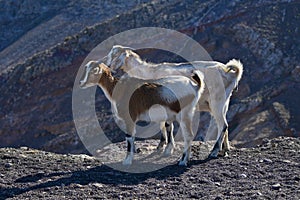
x: 216, y: 78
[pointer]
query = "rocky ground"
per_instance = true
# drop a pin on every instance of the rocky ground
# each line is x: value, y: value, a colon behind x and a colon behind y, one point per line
x: 270, y: 171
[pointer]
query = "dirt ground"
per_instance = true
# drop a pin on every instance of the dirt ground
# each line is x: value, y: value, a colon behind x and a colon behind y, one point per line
x: 270, y: 171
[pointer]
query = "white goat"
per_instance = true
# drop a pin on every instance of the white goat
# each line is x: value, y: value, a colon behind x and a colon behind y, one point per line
x: 132, y: 100
x: 220, y: 80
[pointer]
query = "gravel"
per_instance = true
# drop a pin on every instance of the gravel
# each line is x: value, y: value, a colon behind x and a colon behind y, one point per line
x: 270, y: 171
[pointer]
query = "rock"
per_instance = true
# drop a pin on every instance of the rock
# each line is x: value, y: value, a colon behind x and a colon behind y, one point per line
x: 77, y: 185
x: 283, y: 114
x: 258, y: 45
x: 297, y: 178
x: 243, y: 175
x: 267, y: 160
x: 217, y: 184
x: 98, y: 185
x: 276, y: 186
x: 8, y: 165
x: 296, y: 74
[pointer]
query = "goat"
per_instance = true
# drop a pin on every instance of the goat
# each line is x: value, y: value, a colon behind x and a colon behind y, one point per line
x: 220, y: 80
x: 146, y: 100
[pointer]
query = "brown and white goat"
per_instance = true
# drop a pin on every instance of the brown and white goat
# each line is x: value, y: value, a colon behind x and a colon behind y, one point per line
x: 133, y: 99
x: 220, y: 80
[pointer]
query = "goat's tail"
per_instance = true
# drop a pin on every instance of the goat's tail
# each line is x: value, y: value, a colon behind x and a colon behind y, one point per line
x: 235, y: 66
x: 198, y: 77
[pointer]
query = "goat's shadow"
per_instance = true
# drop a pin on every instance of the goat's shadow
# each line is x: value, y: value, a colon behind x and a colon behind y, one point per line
x: 101, y: 174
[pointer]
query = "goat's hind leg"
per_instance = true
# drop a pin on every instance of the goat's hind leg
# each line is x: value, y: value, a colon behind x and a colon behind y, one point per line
x: 225, y: 145
x: 218, y: 145
x: 187, y: 131
x: 222, y: 131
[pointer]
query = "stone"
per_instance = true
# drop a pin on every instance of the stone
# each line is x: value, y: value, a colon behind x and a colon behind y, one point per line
x: 276, y: 186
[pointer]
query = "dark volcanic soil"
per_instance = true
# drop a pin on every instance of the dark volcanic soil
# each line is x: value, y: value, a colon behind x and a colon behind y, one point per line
x: 271, y: 171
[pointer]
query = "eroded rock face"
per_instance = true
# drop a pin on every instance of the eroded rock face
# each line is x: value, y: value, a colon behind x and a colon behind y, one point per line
x: 27, y: 24
x: 36, y: 89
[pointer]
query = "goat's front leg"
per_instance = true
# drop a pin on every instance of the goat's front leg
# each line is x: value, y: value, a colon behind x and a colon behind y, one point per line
x: 170, y: 142
x: 222, y: 131
x: 130, y: 147
x: 130, y: 150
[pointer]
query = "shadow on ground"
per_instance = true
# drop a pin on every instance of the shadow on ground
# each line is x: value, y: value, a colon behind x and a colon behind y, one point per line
x: 101, y: 174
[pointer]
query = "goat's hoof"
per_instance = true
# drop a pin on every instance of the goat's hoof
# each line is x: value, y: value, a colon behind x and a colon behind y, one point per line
x: 167, y: 154
x: 212, y: 156
x: 160, y: 146
x: 138, y: 150
x: 168, y: 151
x: 159, y: 149
x: 182, y: 163
x: 127, y: 162
x: 223, y: 154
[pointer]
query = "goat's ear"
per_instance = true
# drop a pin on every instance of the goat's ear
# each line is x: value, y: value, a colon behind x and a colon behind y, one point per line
x: 231, y: 69
x: 123, y: 59
x: 128, y: 54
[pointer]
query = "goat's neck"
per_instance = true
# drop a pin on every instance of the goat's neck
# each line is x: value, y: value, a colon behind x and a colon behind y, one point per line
x: 136, y: 67
x: 107, y: 83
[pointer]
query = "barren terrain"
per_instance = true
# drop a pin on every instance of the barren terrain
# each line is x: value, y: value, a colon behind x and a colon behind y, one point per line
x: 271, y: 171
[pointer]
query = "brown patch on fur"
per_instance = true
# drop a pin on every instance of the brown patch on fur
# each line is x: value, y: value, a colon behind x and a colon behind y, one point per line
x: 150, y: 94
x: 107, y: 79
